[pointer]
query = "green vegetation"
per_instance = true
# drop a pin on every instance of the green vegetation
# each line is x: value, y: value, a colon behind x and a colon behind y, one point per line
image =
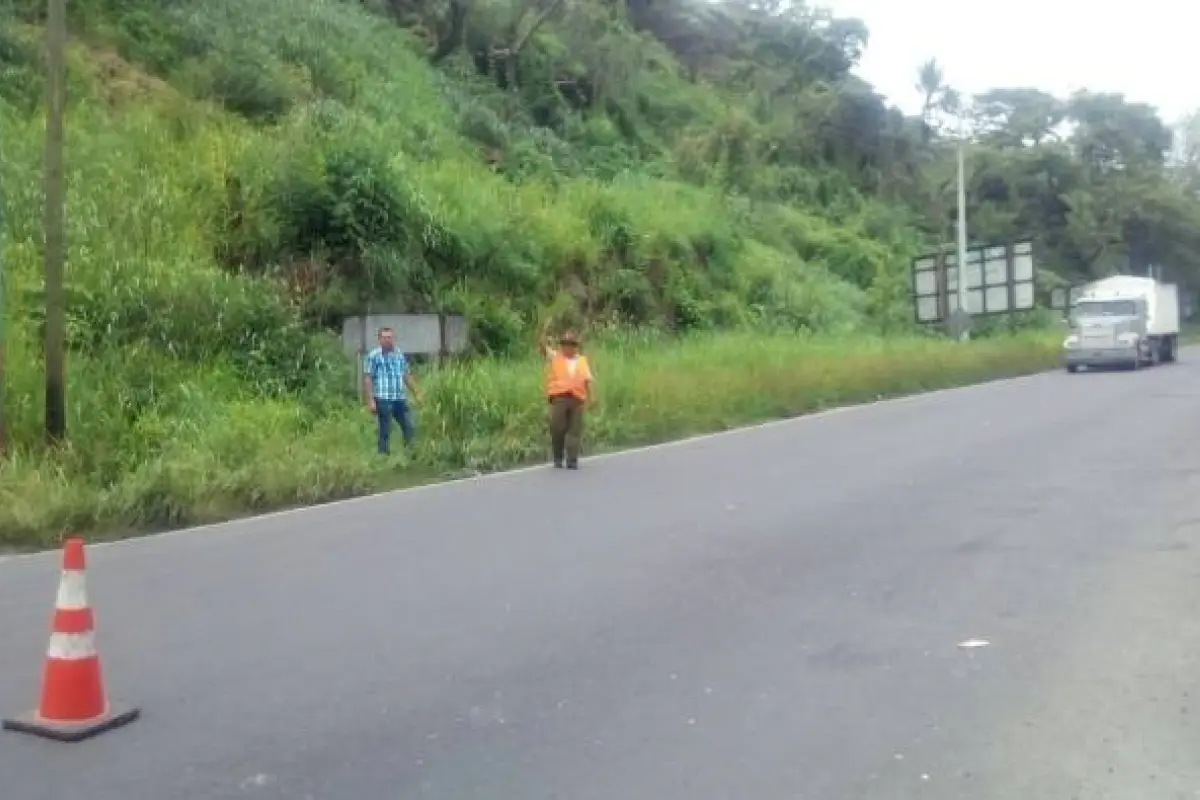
x: 256, y: 454
x: 244, y: 173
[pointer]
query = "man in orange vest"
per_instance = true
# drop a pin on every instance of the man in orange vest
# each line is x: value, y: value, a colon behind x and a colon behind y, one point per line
x: 569, y: 392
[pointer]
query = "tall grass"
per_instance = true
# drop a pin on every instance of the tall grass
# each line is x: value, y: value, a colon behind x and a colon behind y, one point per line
x: 207, y: 462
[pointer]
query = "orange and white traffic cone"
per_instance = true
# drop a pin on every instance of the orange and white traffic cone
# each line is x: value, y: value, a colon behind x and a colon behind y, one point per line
x: 73, y: 704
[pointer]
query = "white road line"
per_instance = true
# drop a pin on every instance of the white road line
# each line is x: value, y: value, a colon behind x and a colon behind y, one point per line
x: 143, y: 539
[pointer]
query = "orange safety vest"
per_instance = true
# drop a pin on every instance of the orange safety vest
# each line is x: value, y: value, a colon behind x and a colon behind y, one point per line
x: 560, y: 381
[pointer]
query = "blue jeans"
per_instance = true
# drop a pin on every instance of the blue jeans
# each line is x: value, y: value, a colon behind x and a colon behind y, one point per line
x: 385, y: 411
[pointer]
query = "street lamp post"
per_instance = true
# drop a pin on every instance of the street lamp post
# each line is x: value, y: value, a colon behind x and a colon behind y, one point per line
x: 962, y: 227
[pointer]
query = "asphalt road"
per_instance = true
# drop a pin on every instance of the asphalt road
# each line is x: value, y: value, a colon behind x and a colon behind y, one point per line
x: 770, y: 614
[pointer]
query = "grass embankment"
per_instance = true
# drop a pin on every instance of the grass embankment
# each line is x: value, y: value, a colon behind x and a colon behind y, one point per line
x: 262, y: 454
x: 243, y: 174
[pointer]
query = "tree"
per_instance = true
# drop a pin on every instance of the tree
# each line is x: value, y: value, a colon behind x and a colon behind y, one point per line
x: 1099, y: 181
x: 1112, y: 134
x: 1019, y: 117
x: 938, y: 98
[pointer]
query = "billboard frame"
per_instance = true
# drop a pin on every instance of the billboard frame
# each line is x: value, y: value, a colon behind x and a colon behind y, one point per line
x: 1001, y: 279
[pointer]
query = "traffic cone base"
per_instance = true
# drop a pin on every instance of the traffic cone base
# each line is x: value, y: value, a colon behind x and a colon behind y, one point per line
x: 34, y: 725
x: 73, y: 705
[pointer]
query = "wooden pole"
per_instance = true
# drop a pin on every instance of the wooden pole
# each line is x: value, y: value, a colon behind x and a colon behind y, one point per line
x: 3, y: 428
x: 55, y: 223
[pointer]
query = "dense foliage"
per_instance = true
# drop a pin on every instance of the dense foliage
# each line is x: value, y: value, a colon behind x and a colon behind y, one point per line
x: 244, y: 173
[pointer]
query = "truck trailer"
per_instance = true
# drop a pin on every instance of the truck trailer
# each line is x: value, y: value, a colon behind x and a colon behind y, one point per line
x: 1123, y: 321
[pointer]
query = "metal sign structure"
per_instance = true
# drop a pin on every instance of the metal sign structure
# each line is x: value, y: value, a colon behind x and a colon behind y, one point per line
x: 426, y: 334
x: 442, y: 335
x: 999, y: 280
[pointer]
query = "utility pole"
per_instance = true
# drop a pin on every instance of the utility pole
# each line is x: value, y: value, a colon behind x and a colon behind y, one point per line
x: 962, y: 225
x: 3, y: 429
x: 55, y: 224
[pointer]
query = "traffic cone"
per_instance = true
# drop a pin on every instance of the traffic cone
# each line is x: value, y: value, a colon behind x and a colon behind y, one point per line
x: 73, y: 705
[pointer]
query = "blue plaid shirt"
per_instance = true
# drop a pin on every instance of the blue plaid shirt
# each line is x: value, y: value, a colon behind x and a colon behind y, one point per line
x: 386, y: 371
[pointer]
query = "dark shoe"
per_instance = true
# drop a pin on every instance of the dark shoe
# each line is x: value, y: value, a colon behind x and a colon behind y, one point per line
x: 558, y: 465
x: 572, y: 465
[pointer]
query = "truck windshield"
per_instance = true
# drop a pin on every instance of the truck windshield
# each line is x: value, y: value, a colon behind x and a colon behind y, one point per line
x: 1105, y: 308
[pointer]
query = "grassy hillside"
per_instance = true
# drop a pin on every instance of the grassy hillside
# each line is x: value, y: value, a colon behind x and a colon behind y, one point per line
x: 243, y: 173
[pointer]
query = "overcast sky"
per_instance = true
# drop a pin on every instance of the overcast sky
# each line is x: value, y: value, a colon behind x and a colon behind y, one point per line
x: 1146, y: 50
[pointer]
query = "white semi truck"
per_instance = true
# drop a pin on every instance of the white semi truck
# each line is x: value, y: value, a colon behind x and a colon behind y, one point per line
x: 1125, y: 321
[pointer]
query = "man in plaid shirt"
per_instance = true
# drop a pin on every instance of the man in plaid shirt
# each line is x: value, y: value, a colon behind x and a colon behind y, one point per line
x: 385, y: 378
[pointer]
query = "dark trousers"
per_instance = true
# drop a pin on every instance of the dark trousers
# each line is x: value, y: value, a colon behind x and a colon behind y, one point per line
x: 385, y: 412
x: 566, y: 428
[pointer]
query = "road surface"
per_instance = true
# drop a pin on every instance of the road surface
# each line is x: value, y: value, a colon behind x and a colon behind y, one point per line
x: 771, y: 614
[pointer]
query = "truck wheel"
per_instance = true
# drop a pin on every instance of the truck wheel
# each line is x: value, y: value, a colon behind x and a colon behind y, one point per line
x: 1072, y: 368
x: 1168, y: 348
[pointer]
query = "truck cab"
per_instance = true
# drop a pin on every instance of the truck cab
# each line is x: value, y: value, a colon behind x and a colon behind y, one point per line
x: 1124, y: 321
